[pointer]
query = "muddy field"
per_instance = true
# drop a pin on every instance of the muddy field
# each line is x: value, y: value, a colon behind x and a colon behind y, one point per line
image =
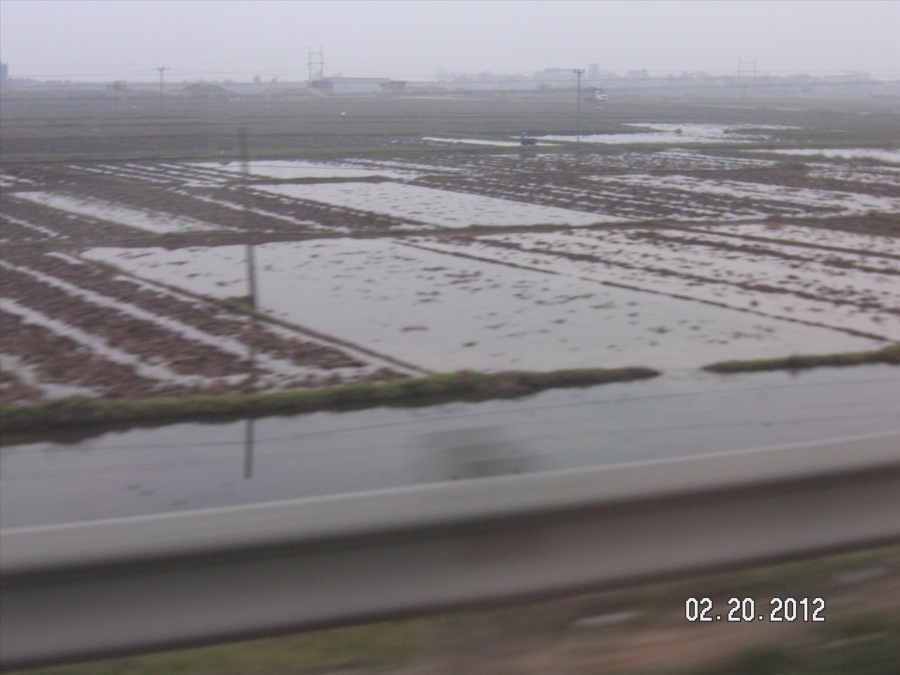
x: 407, y: 235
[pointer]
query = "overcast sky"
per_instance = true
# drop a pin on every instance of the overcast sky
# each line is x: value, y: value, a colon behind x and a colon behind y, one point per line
x: 237, y: 39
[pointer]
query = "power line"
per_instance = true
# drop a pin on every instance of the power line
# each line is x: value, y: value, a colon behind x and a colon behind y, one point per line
x: 475, y: 414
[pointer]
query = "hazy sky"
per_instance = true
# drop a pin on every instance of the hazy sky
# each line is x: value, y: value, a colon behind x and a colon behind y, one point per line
x: 237, y: 39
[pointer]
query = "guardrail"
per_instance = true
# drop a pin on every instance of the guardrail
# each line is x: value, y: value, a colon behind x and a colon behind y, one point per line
x: 106, y: 588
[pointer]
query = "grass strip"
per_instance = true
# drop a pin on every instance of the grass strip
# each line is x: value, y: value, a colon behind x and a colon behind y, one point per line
x: 189, y: 153
x: 415, y: 391
x: 863, y: 644
x: 889, y: 355
x: 859, y: 635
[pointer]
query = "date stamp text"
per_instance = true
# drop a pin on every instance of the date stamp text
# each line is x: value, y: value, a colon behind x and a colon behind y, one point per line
x: 776, y: 610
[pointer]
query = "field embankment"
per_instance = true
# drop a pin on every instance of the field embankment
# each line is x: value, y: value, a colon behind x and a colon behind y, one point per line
x: 889, y: 355
x: 467, y: 386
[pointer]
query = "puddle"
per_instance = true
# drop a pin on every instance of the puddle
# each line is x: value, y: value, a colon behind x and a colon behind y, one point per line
x: 868, y: 244
x: 436, y: 207
x: 676, y: 134
x: 151, y: 221
x: 888, y: 156
x: 478, y: 141
x: 781, y: 197
x: 294, y: 169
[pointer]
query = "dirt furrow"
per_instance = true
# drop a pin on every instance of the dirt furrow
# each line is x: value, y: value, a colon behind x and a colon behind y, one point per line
x: 60, y: 360
x: 865, y: 303
x: 68, y: 225
x: 145, y: 340
x: 755, y: 249
x: 205, y: 316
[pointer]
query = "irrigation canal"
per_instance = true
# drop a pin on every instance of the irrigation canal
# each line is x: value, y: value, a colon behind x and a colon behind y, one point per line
x: 193, y: 466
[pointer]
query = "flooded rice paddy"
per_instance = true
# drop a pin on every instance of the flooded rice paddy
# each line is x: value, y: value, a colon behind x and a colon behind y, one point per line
x: 480, y: 306
x: 381, y: 267
x: 436, y: 248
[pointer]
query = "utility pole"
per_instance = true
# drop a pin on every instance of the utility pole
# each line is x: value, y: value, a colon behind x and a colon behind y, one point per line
x: 248, y: 448
x: 741, y: 63
x: 251, y: 263
x: 161, y: 71
x: 245, y: 176
x: 578, y: 72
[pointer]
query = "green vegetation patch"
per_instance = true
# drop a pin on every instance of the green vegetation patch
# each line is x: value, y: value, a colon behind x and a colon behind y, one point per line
x: 862, y: 644
x: 413, y: 391
x: 889, y: 355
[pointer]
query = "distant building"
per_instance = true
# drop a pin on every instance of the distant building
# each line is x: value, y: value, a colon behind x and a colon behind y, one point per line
x: 4, y: 74
x: 358, y: 85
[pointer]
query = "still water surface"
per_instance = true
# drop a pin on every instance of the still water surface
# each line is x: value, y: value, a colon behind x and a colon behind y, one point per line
x: 191, y: 466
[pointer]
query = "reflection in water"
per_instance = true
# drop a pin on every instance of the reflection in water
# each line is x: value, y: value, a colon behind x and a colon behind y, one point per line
x: 475, y: 452
x: 248, y: 449
x: 179, y: 467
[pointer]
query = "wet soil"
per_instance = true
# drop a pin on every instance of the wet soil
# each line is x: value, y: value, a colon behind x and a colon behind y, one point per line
x: 390, y: 132
x: 60, y: 359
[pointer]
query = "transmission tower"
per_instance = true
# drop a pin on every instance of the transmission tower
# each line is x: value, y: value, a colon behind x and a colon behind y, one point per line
x: 316, y: 64
x: 740, y: 74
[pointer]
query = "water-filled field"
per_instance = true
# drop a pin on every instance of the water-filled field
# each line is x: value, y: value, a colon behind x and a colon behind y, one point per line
x: 642, y: 241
